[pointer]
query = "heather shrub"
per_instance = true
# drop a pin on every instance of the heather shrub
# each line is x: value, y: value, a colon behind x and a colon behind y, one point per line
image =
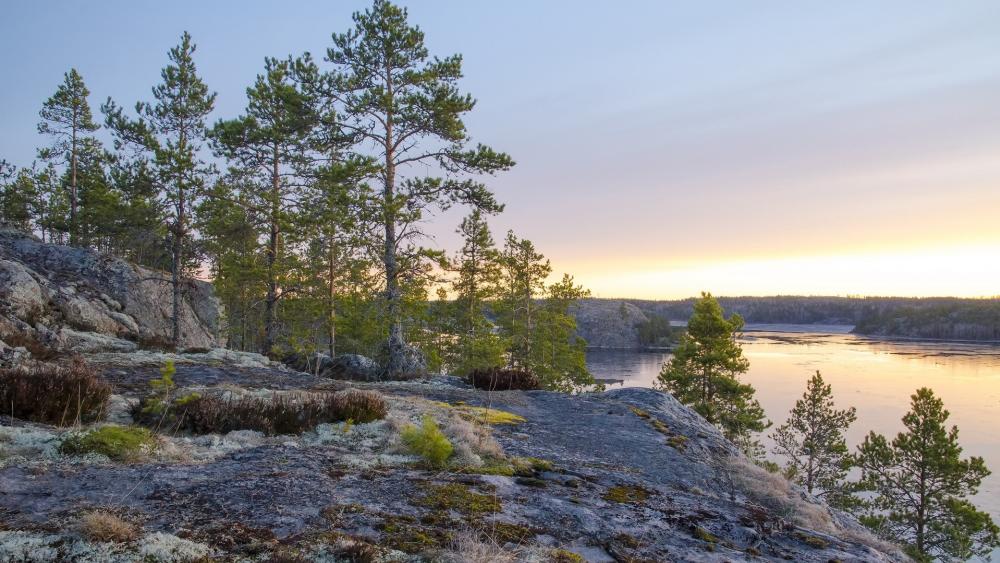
x: 428, y: 442
x: 283, y: 414
x: 59, y: 393
x: 120, y: 443
x: 503, y: 379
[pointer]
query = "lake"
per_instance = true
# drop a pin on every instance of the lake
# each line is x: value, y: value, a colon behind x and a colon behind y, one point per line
x: 875, y: 376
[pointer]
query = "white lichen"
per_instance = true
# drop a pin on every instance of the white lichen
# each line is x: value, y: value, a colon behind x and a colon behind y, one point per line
x: 168, y: 548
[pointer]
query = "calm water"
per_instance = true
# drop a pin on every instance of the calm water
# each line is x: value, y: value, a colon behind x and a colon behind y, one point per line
x: 876, y: 377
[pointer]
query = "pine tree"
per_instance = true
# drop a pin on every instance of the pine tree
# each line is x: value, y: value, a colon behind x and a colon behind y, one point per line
x: 812, y: 440
x: 558, y: 354
x: 476, y: 344
x: 268, y: 145
x: 172, y: 128
x: 535, y: 319
x: 922, y: 485
x: 19, y: 197
x: 396, y: 98
x: 66, y: 117
x: 704, y: 373
x: 523, y: 274
x: 338, y: 221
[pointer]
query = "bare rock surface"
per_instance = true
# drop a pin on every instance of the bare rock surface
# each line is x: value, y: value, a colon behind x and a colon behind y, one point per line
x: 54, y: 286
x: 627, y: 475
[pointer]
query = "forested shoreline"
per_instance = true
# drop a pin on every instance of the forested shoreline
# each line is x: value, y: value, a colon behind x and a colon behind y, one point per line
x: 307, y: 211
x: 645, y: 323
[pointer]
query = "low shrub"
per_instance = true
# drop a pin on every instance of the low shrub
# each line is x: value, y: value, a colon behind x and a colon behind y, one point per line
x: 428, y: 442
x: 120, y: 443
x: 503, y: 379
x: 272, y: 416
x: 59, y: 393
x: 105, y: 526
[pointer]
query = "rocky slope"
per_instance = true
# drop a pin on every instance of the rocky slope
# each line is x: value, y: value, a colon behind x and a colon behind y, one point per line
x: 75, y: 299
x: 628, y: 475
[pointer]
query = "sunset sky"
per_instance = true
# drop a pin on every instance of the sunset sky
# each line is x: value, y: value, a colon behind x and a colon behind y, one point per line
x: 663, y: 148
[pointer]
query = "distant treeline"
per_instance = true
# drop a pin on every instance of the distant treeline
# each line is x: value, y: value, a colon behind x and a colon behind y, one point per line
x: 947, y: 318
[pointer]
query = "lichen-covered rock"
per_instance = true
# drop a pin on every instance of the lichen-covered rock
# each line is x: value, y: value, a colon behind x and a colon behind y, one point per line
x: 92, y: 342
x: 19, y: 290
x: 88, y: 291
x: 627, y: 475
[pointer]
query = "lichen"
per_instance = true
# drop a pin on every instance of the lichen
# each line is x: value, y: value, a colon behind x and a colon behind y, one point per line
x: 161, y: 547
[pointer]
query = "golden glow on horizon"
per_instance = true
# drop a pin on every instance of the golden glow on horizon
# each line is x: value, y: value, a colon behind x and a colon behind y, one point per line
x: 961, y: 271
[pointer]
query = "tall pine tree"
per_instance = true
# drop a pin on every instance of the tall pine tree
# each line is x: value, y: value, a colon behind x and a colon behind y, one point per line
x: 405, y: 104
x: 67, y: 119
x: 172, y: 129
x: 268, y: 145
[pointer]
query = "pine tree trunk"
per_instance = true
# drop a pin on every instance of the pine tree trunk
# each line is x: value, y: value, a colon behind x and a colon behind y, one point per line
x: 396, y: 345
x: 332, y: 304
x: 72, y: 186
x: 175, y: 270
x: 272, y: 257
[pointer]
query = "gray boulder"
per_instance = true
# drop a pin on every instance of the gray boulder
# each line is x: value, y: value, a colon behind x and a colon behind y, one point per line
x: 19, y: 290
x: 61, y: 286
x: 354, y: 367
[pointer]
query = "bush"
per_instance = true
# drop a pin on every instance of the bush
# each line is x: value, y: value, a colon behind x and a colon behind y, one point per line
x: 120, y: 443
x: 53, y: 393
x: 279, y: 415
x: 428, y: 442
x: 503, y: 379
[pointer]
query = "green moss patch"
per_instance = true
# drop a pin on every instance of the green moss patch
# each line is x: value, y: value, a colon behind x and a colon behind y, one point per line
x: 120, y: 443
x: 626, y: 494
x: 457, y: 497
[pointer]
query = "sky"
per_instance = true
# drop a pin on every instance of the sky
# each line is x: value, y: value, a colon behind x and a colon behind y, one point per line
x: 663, y: 147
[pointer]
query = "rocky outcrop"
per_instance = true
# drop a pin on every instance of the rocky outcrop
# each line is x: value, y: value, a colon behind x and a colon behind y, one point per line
x: 607, y: 323
x: 80, y: 300
x: 627, y: 475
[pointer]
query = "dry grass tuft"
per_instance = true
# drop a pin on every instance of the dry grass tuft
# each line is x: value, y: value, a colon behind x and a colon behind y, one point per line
x: 470, y: 547
x: 105, y: 526
x: 776, y: 493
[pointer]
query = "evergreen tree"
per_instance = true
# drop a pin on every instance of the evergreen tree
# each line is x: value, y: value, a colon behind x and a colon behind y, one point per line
x: 172, y: 128
x: 268, y: 144
x: 921, y: 485
x: 704, y: 373
x: 397, y: 99
x: 338, y: 221
x: 19, y: 197
x: 535, y: 318
x: 523, y: 274
x: 141, y: 235
x: 558, y: 354
x: 66, y: 117
x: 812, y: 440
x: 476, y: 344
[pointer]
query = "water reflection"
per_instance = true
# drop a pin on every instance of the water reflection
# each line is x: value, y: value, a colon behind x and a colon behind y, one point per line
x: 877, y: 377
